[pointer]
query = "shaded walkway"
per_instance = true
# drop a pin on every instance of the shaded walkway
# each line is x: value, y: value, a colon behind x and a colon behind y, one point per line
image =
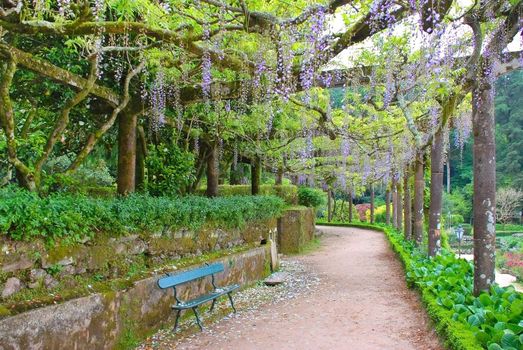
x: 360, y: 302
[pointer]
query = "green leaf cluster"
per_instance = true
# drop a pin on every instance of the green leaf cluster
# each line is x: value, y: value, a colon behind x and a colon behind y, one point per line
x: 310, y: 197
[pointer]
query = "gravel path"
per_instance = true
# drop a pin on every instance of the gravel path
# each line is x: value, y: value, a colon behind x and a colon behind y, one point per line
x: 349, y: 294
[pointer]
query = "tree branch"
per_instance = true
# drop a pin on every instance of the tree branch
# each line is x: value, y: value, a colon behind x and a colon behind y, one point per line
x: 94, y: 137
x: 62, y: 122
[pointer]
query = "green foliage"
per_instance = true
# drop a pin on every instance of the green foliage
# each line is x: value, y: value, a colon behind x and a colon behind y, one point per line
x: 169, y: 170
x: 459, y: 207
x: 25, y: 215
x: 509, y: 130
x: 489, y: 321
x: 310, y: 197
x: 91, y: 178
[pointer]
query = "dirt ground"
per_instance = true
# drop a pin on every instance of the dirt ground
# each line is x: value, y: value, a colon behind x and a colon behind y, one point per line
x: 360, y: 301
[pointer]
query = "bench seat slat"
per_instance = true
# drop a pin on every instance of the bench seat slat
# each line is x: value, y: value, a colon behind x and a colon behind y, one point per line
x: 187, y: 276
x: 205, y: 298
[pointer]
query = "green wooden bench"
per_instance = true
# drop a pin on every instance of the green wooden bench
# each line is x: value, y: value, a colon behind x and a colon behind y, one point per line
x: 174, y: 280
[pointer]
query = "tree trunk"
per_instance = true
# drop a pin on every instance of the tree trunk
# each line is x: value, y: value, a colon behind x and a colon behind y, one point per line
x: 329, y: 205
x: 387, y: 206
x: 350, y: 205
x: 200, y: 167
x: 126, y: 153
x: 484, y: 198
x: 212, y: 172
x: 256, y: 168
x: 448, y: 174
x: 419, y: 187
x: 399, y: 211
x: 394, y: 203
x: 279, y: 176
x: 371, y: 203
x: 408, y: 207
x: 436, y: 193
x: 141, y: 153
x: 236, y: 174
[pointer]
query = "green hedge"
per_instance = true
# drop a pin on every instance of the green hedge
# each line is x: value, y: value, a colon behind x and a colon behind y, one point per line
x: 289, y: 193
x: 25, y: 215
x: 491, y: 321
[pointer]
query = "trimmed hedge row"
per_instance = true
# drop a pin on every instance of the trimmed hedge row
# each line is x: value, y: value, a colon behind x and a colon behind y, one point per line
x: 25, y: 215
x: 289, y: 193
x: 491, y: 321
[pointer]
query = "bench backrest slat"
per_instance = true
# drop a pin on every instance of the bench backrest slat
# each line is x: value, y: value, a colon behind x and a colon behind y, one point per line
x: 187, y: 276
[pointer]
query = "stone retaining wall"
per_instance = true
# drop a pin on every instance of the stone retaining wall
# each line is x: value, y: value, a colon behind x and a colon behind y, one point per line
x: 32, y: 265
x: 102, y: 320
x: 295, y: 229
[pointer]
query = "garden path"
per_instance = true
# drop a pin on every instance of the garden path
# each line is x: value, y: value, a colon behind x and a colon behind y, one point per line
x: 360, y: 302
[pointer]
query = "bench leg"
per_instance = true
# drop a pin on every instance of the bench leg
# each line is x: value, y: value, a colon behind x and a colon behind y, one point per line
x: 176, y: 321
x: 212, y: 306
x: 232, y: 304
x: 197, y: 318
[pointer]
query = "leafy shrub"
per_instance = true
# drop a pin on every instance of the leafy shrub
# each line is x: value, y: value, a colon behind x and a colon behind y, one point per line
x: 456, y: 204
x: 169, y: 170
x: 25, y: 215
x: 91, y: 178
x: 310, y: 197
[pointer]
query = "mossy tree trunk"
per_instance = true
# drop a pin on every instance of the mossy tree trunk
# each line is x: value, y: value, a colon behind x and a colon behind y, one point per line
x: 419, y: 188
x: 407, y: 204
x: 256, y: 168
x: 436, y: 193
x: 350, y: 205
x: 279, y: 176
x: 387, y: 206
x: 329, y: 205
x: 371, y: 203
x: 141, y: 154
x: 126, y: 153
x: 394, y: 202
x: 399, y: 210
x: 212, y: 171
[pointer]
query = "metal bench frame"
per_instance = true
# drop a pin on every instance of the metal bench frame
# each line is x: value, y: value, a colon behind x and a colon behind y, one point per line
x: 174, y: 280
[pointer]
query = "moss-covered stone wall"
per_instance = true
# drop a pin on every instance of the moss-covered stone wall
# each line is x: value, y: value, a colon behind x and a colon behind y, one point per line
x: 295, y: 229
x: 32, y: 268
x: 101, y: 320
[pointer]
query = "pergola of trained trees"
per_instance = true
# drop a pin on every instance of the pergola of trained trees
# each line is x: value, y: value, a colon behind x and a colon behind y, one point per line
x: 213, y: 84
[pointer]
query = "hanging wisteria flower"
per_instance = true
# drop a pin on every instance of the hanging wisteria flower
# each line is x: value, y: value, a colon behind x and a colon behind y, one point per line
x: 157, y: 101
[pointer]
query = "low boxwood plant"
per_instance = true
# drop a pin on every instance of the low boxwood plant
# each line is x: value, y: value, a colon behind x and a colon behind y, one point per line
x: 490, y: 321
